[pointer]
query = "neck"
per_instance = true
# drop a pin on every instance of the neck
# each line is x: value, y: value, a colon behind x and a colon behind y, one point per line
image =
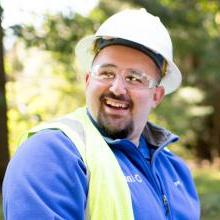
x: 135, y: 140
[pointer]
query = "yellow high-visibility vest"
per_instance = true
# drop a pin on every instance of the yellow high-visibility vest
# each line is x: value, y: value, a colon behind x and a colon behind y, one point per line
x: 109, y: 196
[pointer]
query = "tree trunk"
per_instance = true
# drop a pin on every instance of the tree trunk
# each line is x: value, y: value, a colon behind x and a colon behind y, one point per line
x: 4, y: 149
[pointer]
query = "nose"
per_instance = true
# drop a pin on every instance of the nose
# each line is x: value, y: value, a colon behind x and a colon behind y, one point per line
x: 118, y: 86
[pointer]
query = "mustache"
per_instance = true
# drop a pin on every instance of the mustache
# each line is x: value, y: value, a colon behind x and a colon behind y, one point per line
x: 119, y: 97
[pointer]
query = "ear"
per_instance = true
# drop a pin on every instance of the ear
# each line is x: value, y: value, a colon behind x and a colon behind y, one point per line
x: 87, y: 78
x: 158, y: 96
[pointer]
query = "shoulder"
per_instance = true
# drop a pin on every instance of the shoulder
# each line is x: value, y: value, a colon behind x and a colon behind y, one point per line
x: 48, y: 142
x: 46, y: 170
x: 50, y: 149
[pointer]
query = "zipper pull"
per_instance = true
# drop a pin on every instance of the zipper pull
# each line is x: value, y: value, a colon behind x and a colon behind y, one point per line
x: 166, y: 205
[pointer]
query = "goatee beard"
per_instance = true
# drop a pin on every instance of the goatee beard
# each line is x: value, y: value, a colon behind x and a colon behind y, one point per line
x: 104, y: 123
x: 114, y: 133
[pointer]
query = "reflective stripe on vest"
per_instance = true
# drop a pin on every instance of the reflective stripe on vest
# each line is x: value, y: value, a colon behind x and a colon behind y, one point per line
x: 108, y: 196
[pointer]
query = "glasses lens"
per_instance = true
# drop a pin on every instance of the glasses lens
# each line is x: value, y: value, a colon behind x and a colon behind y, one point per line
x: 104, y: 72
x: 133, y: 79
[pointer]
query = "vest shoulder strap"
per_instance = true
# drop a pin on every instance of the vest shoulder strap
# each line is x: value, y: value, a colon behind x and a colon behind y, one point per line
x: 109, y: 195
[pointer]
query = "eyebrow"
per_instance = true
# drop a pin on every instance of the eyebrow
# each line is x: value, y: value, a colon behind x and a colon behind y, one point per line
x: 115, y: 66
x: 108, y: 65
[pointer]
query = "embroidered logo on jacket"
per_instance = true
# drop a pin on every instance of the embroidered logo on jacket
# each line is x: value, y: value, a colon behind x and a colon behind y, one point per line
x: 177, y: 183
x: 134, y: 178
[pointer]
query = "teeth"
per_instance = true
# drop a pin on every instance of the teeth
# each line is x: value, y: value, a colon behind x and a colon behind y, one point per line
x: 115, y: 104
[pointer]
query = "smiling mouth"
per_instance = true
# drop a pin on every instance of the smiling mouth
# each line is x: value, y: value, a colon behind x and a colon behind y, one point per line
x: 116, y: 104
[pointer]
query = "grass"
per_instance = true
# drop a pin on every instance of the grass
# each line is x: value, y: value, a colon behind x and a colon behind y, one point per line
x: 207, y: 179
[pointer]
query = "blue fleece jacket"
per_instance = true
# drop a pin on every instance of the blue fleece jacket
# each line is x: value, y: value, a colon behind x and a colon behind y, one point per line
x: 46, y: 179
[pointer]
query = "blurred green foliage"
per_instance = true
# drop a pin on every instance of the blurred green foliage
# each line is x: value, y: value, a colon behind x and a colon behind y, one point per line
x: 207, y: 182
x: 39, y: 93
x: 1, y: 214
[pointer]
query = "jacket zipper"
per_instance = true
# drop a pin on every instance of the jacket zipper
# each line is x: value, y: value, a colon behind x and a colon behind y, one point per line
x: 158, y: 188
x: 153, y: 159
x: 166, y: 205
x: 162, y: 193
x: 162, y: 190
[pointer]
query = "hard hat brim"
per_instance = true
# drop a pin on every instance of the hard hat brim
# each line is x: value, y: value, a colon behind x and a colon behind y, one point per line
x: 85, y: 55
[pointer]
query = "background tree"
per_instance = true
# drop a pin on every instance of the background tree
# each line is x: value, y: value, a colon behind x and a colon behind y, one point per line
x: 4, y: 152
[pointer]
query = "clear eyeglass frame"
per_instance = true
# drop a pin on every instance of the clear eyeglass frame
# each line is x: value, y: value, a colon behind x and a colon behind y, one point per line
x: 132, y: 78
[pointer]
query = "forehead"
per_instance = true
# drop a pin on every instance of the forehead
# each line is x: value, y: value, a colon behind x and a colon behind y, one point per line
x: 126, y: 57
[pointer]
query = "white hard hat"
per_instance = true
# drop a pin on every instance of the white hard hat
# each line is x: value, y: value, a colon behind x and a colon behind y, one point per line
x: 138, y: 26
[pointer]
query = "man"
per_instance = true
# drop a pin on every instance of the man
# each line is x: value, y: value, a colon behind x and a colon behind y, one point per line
x: 106, y: 161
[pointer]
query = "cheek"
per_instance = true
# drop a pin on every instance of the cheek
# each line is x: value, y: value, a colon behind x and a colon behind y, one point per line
x: 143, y: 104
x: 93, y: 92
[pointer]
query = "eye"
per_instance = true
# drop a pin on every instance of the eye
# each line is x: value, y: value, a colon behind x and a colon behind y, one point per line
x: 133, y: 78
x: 106, y: 74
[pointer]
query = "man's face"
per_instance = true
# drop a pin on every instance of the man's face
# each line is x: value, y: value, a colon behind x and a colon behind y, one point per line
x: 120, y: 110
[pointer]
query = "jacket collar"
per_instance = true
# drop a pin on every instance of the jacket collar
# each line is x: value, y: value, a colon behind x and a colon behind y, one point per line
x: 157, y: 136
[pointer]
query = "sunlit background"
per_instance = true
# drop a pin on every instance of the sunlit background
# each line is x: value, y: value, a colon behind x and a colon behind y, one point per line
x: 31, y: 12
x: 43, y: 81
